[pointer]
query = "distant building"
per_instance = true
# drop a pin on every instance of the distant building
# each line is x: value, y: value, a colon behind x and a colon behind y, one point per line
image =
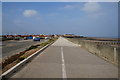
x: 72, y: 36
x: 26, y: 35
x: 69, y: 35
x: 42, y: 35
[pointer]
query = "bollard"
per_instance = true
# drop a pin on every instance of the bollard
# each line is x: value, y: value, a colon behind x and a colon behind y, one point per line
x: 115, y: 55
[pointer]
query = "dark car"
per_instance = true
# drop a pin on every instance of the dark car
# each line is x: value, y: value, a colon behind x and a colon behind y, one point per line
x: 17, y: 38
x: 36, y: 39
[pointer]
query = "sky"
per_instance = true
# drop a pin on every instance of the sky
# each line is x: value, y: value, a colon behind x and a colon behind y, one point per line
x: 93, y: 19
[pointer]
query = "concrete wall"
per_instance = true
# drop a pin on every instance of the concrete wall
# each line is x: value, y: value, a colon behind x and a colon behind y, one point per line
x: 104, y: 51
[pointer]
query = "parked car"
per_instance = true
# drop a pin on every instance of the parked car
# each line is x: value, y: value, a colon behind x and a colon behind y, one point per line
x: 30, y: 37
x: 17, y: 38
x: 9, y: 38
x: 36, y: 39
x: 47, y: 38
x: 25, y: 38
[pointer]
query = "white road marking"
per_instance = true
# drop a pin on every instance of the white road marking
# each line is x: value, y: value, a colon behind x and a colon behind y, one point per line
x: 63, y: 65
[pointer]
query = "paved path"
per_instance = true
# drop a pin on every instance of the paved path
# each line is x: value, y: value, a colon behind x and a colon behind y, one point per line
x: 67, y: 60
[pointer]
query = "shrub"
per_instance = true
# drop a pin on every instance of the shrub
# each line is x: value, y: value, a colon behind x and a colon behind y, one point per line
x: 32, y: 47
x: 21, y: 58
x: 21, y: 53
x: 17, y: 61
x: 51, y: 40
x: 38, y: 45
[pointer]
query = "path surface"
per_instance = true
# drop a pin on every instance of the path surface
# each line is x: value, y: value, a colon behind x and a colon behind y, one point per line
x: 64, y: 59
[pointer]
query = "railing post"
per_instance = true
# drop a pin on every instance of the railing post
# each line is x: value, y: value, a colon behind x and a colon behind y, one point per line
x: 115, y: 55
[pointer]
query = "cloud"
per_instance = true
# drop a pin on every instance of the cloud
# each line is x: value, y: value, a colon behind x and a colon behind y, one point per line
x: 29, y: 13
x: 71, y: 6
x: 91, y: 7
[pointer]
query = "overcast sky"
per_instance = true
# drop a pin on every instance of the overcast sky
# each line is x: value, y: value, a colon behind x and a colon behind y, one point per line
x: 83, y: 18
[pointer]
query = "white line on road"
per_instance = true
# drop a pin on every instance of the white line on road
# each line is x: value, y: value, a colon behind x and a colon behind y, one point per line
x: 63, y: 65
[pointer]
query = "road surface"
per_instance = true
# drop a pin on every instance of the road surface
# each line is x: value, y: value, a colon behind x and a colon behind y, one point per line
x: 14, y: 46
x: 64, y: 59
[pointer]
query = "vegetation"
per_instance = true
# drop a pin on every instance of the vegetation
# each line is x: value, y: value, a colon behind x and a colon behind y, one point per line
x: 21, y: 58
x: 22, y: 53
x: 32, y: 47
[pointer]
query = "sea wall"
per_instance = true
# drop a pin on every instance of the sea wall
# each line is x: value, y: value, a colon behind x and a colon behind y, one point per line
x: 103, y: 50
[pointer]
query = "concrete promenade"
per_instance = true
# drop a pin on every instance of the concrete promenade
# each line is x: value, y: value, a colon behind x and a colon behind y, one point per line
x: 64, y: 59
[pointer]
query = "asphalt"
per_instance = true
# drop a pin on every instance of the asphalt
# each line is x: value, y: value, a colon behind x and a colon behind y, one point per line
x: 14, y: 46
x: 64, y: 59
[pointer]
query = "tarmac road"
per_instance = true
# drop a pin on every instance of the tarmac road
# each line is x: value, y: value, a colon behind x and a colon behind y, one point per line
x: 64, y: 59
x: 14, y: 46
